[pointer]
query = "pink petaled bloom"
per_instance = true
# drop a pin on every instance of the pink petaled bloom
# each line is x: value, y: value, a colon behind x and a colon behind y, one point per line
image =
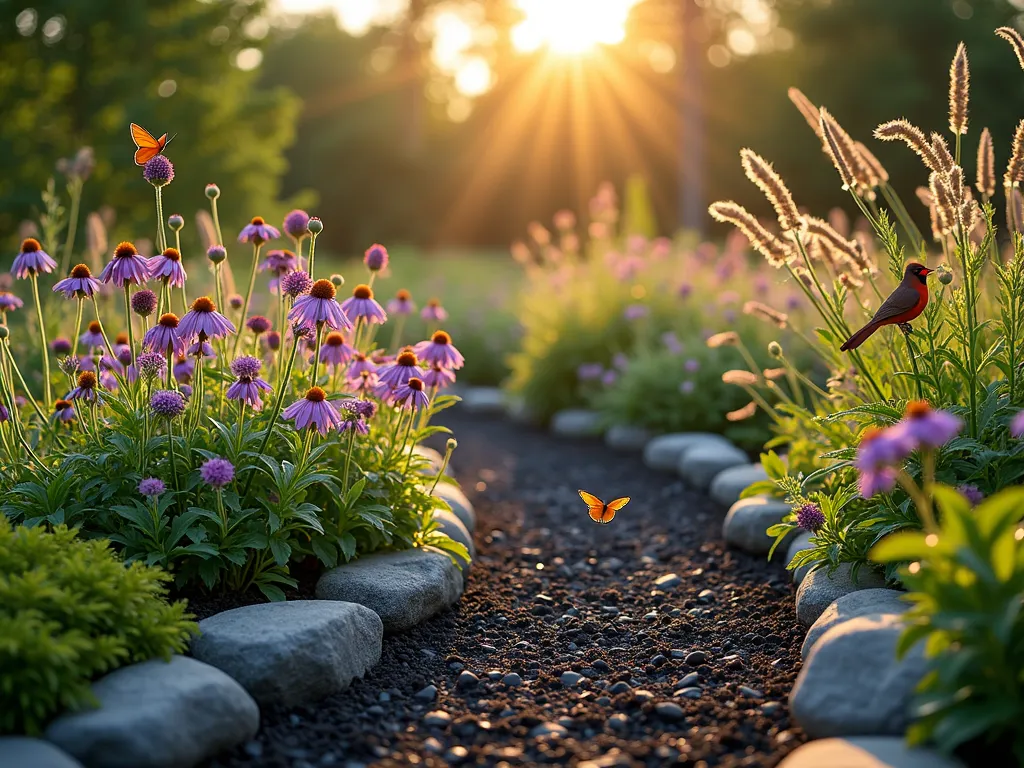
x: 79, y: 284
x: 258, y: 232
x: 127, y: 266
x: 64, y: 410
x: 878, y: 453
x: 402, y: 304
x: 282, y: 261
x: 411, y: 395
x: 32, y: 260
x: 203, y: 317
x: 165, y: 335
x: 313, y: 410
x: 367, y: 383
x: 9, y: 301
x: 1017, y: 425
x: 405, y: 367
x: 434, y: 312
x: 183, y: 369
x: 201, y: 348
x: 167, y: 267
x: 361, y: 304
x: 927, y: 428
x: 438, y: 378
x: 93, y: 336
x: 320, y: 306
x: 440, y: 351
x: 360, y: 364
x: 335, y: 350
x: 248, y: 385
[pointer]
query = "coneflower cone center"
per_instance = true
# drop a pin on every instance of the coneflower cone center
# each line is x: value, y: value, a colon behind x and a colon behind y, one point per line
x: 917, y: 409
x: 416, y: 384
x: 30, y: 245
x: 362, y: 292
x: 203, y: 304
x: 403, y: 295
x: 440, y: 337
x: 122, y: 338
x: 81, y: 271
x: 323, y: 289
x: 94, y: 327
x: 172, y: 254
x: 407, y: 359
x: 872, y: 433
x: 334, y: 339
x: 258, y: 221
x: 87, y: 380
x: 61, y: 405
x: 169, y: 320
x: 124, y: 250
x: 315, y: 395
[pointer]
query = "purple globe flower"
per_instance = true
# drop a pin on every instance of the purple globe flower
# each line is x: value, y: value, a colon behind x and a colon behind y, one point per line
x: 810, y: 518
x: 217, y: 472
x: 402, y: 304
x: 972, y: 493
x: 167, y: 267
x: 411, y: 395
x: 79, y: 284
x: 235, y: 301
x: 144, y: 302
x: 167, y: 403
x: 434, y: 312
x: 258, y: 324
x: 127, y: 266
x: 376, y: 257
x: 296, y: 283
x: 273, y: 340
x: 609, y: 377
x: 313, y: 410
x: 320, y: 306
x: 216, y: 253
x: 165, y: 335
x: 335, y: 350
x: 60, y: 346
x: 151, y: 365
x: 361, y: 304
x: 928, y: 428
x: 440, y: 351
x: 687, y: 387
x: 1017, y: 425
x: 158, y: 171
x: 296, y: 224
x: 257, y: 232
x: 151, y: 487
x: 93, y: 336
x: 32, y: 260
x: 248, y: 385
x: 203, y: 317
x: 9, y: 301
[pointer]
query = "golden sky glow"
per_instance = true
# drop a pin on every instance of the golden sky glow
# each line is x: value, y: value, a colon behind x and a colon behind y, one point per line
x: 570, y: 26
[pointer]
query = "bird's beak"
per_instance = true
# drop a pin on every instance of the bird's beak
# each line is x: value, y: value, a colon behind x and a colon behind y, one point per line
x: 926, y: 271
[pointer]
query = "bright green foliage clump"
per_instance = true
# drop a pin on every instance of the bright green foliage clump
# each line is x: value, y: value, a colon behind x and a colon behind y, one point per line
x: 69, y: 611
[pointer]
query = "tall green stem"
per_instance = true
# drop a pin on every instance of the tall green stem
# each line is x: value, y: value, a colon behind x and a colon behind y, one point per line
x: 248, y: 293
x: 312, y: 254
x: 348, y: 458
x: 75, y: 189
x: 275, y: 414
x: 47, y: 395
x: 161, y: 235
x: 78, y: 328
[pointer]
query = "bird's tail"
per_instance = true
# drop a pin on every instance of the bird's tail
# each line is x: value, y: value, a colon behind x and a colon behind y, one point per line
x: 859, y: 337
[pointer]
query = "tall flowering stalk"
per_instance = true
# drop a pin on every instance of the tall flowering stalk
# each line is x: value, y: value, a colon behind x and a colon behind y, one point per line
x: 257, y: 232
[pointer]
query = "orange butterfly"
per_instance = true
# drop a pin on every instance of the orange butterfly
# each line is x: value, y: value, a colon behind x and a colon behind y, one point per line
x: 147, y: 146
x: 601, y: 512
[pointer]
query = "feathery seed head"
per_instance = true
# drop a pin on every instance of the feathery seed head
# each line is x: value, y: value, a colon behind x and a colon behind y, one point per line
x: 774, y: 250
x: 986, y: 181
x: 761, y: 173
x: 807, y: 109
x: 1016, y: 41
x: 843, y: 152
x: 959, y: 90
x: 912, y: 136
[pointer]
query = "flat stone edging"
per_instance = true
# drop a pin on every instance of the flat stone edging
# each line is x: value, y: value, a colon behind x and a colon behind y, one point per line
x: 576, y: 423
x: 866, y: 752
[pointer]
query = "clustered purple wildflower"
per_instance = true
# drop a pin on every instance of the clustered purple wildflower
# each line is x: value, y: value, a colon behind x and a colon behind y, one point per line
x: 217, y: 472
x: 151, y: 487
x: 167, y: 403
x: 810, y: 518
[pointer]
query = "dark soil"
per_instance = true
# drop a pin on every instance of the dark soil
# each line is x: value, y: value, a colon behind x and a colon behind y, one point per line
x: 552, y: 592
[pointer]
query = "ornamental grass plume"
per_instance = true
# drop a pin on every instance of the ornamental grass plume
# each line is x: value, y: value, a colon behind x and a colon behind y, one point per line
x: 913, y: 137
x: 807, y: 109
x: 959, y: 91
x: 741, y: 414
x: 320, y: 307
x: 440, y: 351
x: 724, y: 339
x: 313, y: 410
x: 843, y: 153
x: 942, y: 154
x: 986, y: 173
x: 362, y: 306
x: 763, y: 311
x: 1016, y: 41
x: 78, y: 284
x: 849, y: 252
x: 1015, y: 167
x: 874, y: 171
x: 775, y: 251
x: 765, y: 178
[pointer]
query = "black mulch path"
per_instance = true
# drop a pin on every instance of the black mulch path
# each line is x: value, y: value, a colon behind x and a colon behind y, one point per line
x: 553, y: 592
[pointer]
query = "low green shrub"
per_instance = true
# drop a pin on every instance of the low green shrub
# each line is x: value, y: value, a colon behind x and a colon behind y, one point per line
x: 70, y: 610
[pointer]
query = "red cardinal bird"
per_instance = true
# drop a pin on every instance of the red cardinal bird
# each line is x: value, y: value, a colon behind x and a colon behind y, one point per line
x: 903, y: 305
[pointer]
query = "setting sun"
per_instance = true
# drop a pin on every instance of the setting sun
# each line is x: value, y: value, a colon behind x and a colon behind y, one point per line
x: 570, y: 26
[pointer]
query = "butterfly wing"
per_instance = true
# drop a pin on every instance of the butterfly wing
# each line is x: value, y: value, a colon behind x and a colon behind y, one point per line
x: 612, y: 507
x: 595, y: 506
x: 147, y: 146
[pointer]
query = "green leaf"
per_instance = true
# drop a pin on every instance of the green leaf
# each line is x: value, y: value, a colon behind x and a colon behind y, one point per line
x: 900, y: 547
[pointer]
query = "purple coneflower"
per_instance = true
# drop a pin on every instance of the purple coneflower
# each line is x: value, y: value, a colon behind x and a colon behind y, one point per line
x: 127, y: 266
x: 63, y: 411
x: 32, y: 260
x: 361, y: 304
x: 810, y: 518
x: 440, y: 351
x: 79, y: 284
x: 972, y: 493
x: 93, y: 336
x: 60, y: 346
x: 402, y: 304
x: 928, y: 428
x: 151, y: 487
x: 248, y: 385
x: 878, y: 451
x: 1017, y: 425
x: 411, y: 395
x: 320, y: 306
x: 257, y: 232
x: 158, y: 171
x: 438, y: 378
x: 167, y: 267
x: 296, y: 283
x: 183, y: 369
x: 144, y: 302
x: 217, y: 472
x: 296, y: 224
x: 434, y: 312
x: 376, y: 257
x: 273, y: 341
x: 313, y: 410
x: 9, y: 301
x: 281, y: 261
x: 352, y: 417
x: 201, y: 348
x: 86, y: 389
x: 405, y: 367
x: 335, y: 350
x: 360, y: 364
x: 589, y: 371
x: 167, y: 403
x: 203, y: 317
x: 166, y: 334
